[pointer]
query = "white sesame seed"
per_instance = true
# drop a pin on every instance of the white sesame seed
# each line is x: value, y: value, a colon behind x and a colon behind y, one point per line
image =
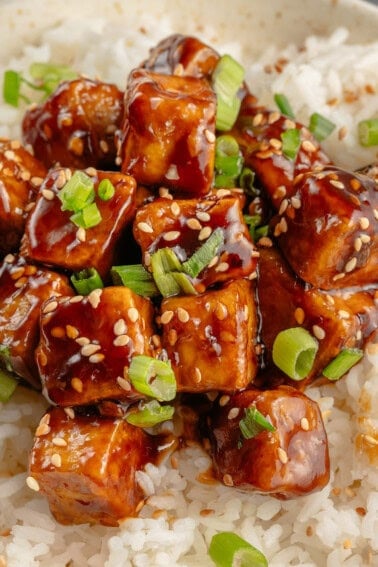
x: 305, y: 424
x: 364, y: 223
x: 97, y: 357
x: 203, y: 216
x: 59, y: 442
x: 280, y: 192
x: 223, y: 193
x: 124, y: 384
x: 32, y: 483
x: 42, y: 429
x: 295, y: 202
x: 194, y: 224
x: 234, y: 412
x: 375, y: 213
x: 339, y: 276
x: 94, y: 298
x: 82, y: 341
x: 223, y: 400
x: 349, y: 266
x: 227, y: 480
x: 365, y: 238
x: 145, y: 227
x: 175, y: 208
x: 319, y: 332
x: 171, y: 235
x: 337, y: 184
x: 56, y: 460
x: 308, y: 146
x: 273, y: 117
x: 282, y: 455
x: 172, y: 173
x: 48, y: 194
x: 49, y: 307
x: 121, y: 340
x: 213, y: 262
x: 343, y: 314
x: 204, y: 233
x: 210, y: 136
x: 77, y: 385
x: 283, y: 206
x: 220, y: 311
x: 76, y: 299
x: 166, y: 317
x: 133, y: 314
x: 88, y: 350
x: 9, y: 258
x: 70, y: 412
x: 36, y: 181
x: 81, y: 235
x: 222, y: 267
x: 357, y: 244
x: 183, y: 315
x: 120, y: 327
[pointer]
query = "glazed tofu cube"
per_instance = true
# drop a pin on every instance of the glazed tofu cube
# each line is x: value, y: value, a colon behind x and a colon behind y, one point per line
x: 330, y: 237
x: 338, y: 319
x: 87, y: 344
x: 168, y: 134
x: 20, y: 176
x: 23, y: 289
x: 52, y: 238
x: 210, y: 338
x: 186, y: 225
x: 290, y: 461
x: 75, y: 126
x: 86, y: 464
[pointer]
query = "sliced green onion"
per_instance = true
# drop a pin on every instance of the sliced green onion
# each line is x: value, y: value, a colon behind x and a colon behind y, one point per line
x: 48, y: 76
x: 105, y: 189
x: 284, y: 105
x: 342, y: 363
x: 203, y: 256
x: 167, y: 284
x: 368, y: 132
x: 11, y: 87
x: 136, y: 278
x: 224, y: 181
x: 6, y: 357
x: 227, y: 78
x: 320, y: 126
x: 8, y: 385
x: 163, y: 262
x: 246, y: 181
x: 184, y: 282
x: 252, y: 221
x: 261, y: 231
x: 88, y: 217
x: 294, y: 352
x: 150, y: 414
x: 228, y: 158
x: 152, y: 377
x: 86, y: 281
x: 291, y: 141
x: 254, y: 423
x: 77, y: 193
x: 230, y: 550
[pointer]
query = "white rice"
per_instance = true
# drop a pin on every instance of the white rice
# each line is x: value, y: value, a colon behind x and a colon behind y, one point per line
x: 337, y: 526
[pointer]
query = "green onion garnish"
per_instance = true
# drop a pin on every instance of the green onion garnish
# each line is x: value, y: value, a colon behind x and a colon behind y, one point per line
x: 228, y: 158
x: 291, y: 141
x: 320, y: 127
x: 163, y: 262
x: 203, y: 256
x: 88, y: 217
x: 152, y: 377
x: 5, y: 356
x: 105, y: 189
x: 48, y: 76
x: 136, y: 278
x: 150, y: 414
x: 8, y: 385
x: 246, y: 181
x: 224, y: 181
x: 230, y: 550
x: 342, y: 363
x: 227, y: 78
x: 294, y: 352
x: 86, y: 281
x: 184, y: 282
x: 77, y: 192
x: 284, y: 105
x: 368, y: 132
x: 254, y: 423
x: 11, y: 87
x: 261, y: 231
x: 252, y: 221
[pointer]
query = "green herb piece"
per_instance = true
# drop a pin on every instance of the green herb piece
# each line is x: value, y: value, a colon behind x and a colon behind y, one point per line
x: 227, y: 78
x: 203, y: 255
x: 48, y: 76
x: 88, y: 217
x: 136, y: 278
x: 150, y: 414
x: 8, y: 385
x: 368, y: 132
x: 184, y: 282
x: 252, y: 221
x: 294, y: 352
x: 320, y: 127
x: 11, y: 87
x: 291, y: 142
x: 254, y: 423
x: 152, y: 377
x: 246, y: 181
x: 6, y: 357
x: 105, y: 189
x: 86, y: 281
x: 163, y: 262
x: 77, y: 193
x: 284, y: 105
x: 342, y: 363
x: 230, y: 550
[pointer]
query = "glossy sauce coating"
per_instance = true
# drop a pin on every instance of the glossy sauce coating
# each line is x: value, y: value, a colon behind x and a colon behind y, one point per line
x: 290, y: 461
x: 75, y: 126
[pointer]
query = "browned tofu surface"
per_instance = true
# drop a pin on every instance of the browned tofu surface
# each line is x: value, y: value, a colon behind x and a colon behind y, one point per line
x: 168, y: 133
x: 86, y: 464
x: 53, y: 239
x: 330, y: 236
x: 290, y: 461
x: 75, y: 126
x: 87, y: 344
x: 23, y: 289
x: 210, y: 339
x: 20, y: 176
x: 185, y: 225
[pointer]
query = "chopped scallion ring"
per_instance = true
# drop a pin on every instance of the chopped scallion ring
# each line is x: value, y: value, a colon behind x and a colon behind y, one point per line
x: 253, y: 221
x: 320, y: 126
x: 184, y: 283
x: 227, y: 113
x: 11, y: 87
x: 88, y: 217
x: 368, y: 132
x: 230, y: 550
x: 294, y: 352
x: 152, y: 377
x: 246, y: 181
x: 203, y: 256
x: 228, y: 158
x: 77, y: 192
x: 254, y: 423
x: 291, y: 141
x: 150, y: 414
x: 136, y: 278
x: 284, y: 105
x: 163, y: 262
x: 224, y: 181
x: 86, y: 281
x: 8, y: 385
x: 227, y: 78
x: 105, y: 189
x: 6, y: 357
x: 342, y: 363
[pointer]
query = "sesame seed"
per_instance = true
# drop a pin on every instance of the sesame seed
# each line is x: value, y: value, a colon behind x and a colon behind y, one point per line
x: 49, y: 307
x: 295, y: 202
x: 299, y: 315
x: 282, y: 455
x: 133, y: 314
x: 197, y: 375
x: 349, y: 266
x: 72, y: 332
x: 32, y: 483
x: 210, y: 136
x: 343, y: 314
x: 280, y: 192
x: 273, y: 117
x: 203, y: 216
x: 156, y: 340
x: 48, y: 194
x: 145, y: 227
x: 77, y: 385
x: 104, y: 146
x: 171, y: 235
x: 121, y: 340
x: 17, y: 273
x: 371, y: 440
x: 227, y: 480
x: 223, y: 400
x: 289, y: 124
x: 124, y: 384
x: 213, y: 262
x: 358, y: 335
x: 175, y: 208
x: 275, y: 143
x: 204, y: 233
x: 319, y: 332
x: 81, y: 235
x: 266, y: 154
x: 357, y: 244
x: 76, y: 299
x: 364, y: 223
x: 166, y: 317
x: 42, y: 429
x: 194, y: 224
x: 9, y: 258
x: 337, y: 184
x: 82, y: 341
x: 220, y: 311
x: 164, y: 192
x: 94, y: 298
x: 183, y: 315
x: 365, y: 238
x: 36, y: 181
x: 234, y: 412
x: 305, y: 424
x: 95, y: 358
x: 120, y: 327
x: 59, y: 442
x: 338, y: 276
x: 88, y: 350
x: 56, y: 460
x: 25, y: 175
x: 375, y: 213
x: 172, y: 337
x: 222, y: 267
x: 257, y: 119
x: 283, y: 206
x: 308, y: 146
x: 172, y: 172
x: 70, y: 412
x: 223, y: 193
